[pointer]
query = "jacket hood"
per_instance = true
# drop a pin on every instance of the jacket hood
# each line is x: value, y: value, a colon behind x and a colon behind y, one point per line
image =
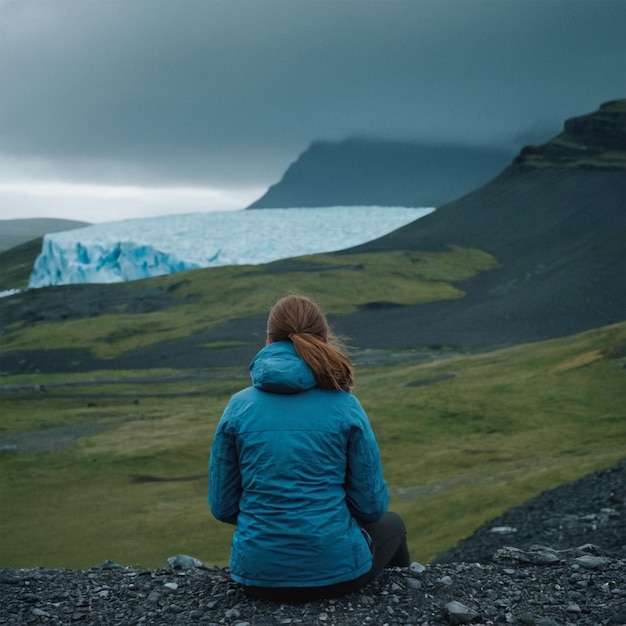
x: 278, y: 368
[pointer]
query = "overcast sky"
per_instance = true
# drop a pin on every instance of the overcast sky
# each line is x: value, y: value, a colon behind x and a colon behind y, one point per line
x: 125, y: 108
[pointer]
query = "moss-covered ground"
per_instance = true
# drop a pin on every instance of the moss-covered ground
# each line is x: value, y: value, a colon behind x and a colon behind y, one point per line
x: 121, y: 471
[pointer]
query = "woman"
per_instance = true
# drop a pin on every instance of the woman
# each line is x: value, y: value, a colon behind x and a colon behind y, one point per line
x: 296, y: 467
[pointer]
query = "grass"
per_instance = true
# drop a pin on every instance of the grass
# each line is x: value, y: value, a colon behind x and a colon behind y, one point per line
x: 212, y: 296
x: 16, y: 264
x: 500, y: 428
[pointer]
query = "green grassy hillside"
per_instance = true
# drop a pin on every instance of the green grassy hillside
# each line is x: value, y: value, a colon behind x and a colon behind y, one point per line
x: 104, y: 455
x: 109, y: 320
x: 102, y: 466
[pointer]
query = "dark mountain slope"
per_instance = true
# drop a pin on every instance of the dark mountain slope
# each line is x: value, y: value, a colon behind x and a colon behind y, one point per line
x: 16, y: 232
x: 555, y: 220
x: 382, y: 172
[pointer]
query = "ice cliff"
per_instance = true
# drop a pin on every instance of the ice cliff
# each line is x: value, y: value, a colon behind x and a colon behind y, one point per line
x: 142, y: 248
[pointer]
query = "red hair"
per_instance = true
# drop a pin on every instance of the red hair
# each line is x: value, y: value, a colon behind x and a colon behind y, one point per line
x: 300, y: 320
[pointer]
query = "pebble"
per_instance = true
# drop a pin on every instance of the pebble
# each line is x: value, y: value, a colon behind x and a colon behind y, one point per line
x: 183, y: 561
x: 417, y: 567
x: 460, y: 613
x: 545, y: 621
x: 413, y: 583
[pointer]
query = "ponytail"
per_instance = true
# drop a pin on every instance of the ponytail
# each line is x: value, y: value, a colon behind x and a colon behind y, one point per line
x: 330, y: 366
x: 298, y: 319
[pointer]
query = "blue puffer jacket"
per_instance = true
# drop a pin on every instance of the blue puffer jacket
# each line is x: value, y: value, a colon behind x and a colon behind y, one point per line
x: 294, y: 467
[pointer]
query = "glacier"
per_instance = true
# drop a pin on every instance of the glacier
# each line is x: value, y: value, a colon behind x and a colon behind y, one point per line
x: 139, y: 248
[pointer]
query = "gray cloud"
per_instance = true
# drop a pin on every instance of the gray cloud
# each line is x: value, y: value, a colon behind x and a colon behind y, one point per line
x: 229, y: 92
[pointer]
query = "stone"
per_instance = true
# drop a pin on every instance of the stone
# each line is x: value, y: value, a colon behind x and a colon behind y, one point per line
x: 591, y: 562
x: 413, y: 583
x: 539, y: 555
x: 183, y: 561
x: 108, y: 565
x: 459, y: 613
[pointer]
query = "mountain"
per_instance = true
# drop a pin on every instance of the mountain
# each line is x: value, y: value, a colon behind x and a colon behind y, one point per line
x: 360, y: 171
x: 554, y: 220
x: 16, y: 232
x: 552, y: 224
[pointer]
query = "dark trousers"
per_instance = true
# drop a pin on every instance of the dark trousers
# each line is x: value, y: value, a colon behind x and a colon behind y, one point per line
x: 389, y: 549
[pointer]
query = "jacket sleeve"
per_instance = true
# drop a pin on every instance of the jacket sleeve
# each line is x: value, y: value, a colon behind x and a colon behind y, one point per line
x: 367, y: 494
x: 224, y: 475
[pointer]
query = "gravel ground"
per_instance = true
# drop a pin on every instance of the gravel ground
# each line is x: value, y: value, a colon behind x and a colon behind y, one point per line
x: 591, y: 509
x: 563, y: 584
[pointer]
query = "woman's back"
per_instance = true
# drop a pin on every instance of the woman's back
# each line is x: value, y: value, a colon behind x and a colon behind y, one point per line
x: 296, y: 467
x: 303, y: 465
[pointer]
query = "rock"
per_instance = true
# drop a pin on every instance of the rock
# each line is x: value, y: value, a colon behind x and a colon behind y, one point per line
x: 154, y: 596
x: 182, y: 561
x: 413, y: 583
x: 107, y: 565
x: 417, y: 567
x: 591, y: 562
x: 541, y: 555
x: 459, y: 613
x: 503, y: 530
x: 545, y: 621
